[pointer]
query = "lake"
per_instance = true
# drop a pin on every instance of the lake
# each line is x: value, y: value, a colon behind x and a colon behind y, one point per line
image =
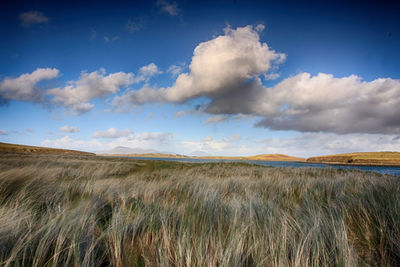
x: 379, y: 169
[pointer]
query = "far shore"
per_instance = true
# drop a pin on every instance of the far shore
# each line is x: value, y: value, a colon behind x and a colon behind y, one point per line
x: 385, y: 158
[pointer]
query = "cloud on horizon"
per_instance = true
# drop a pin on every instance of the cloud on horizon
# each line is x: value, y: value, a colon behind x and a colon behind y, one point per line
x: 102, y: 140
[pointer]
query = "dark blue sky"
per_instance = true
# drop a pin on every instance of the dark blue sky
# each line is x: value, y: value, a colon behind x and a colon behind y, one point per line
x: 358, y: 37
x: 341, y: 39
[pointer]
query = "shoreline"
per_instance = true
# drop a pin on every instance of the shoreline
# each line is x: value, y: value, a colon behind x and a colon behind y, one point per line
x: 244, y: 159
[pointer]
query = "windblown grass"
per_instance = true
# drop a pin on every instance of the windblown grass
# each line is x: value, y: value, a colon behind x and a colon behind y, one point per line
x: 93, y: 211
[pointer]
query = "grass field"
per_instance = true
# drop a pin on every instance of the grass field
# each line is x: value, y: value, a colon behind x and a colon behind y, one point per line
x: 64, y: 210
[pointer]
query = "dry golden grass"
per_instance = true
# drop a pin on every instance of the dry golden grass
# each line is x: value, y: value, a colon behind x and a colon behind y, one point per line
x: 69, y: 210
x: 361, y: 158
x: 6, y: 147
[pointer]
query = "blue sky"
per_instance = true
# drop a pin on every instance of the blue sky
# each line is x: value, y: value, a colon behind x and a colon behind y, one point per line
x: 212, y: 77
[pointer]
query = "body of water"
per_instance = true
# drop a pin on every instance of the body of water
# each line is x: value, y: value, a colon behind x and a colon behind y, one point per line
x: 378, y: 169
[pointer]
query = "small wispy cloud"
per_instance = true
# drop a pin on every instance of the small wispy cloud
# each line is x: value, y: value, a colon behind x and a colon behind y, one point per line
x: 272, y: 76
x: 175, y: 70
x: 30, y: 18
x: 3, y: 132
x: 30, y: 130
x: 69, y: 129
x: 216, y: 119
x: 150, y: 116
x: 112, y: 133
x: 93, y: 34
x: 182, y: 113
x: 135, y: 25
x: 111, y: 39
x: 168, y: 7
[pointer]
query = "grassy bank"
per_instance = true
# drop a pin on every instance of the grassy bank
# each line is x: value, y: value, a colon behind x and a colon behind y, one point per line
x: 92, y: 211
x: 360, y: 158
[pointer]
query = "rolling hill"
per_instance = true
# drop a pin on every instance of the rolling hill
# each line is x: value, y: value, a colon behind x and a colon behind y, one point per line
x: 6, y: 147
x: 360, y: 158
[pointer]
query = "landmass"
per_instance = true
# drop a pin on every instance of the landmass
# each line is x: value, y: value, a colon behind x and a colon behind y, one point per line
x: 360, y: 158
x: 146, y: 155
x: 265, y: 157
x: 6, y: 147
x: 386, y: 158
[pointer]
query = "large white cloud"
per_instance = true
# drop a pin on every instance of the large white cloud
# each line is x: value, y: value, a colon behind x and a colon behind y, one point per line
x: 340, y: 105
x: 25, y: 87
x: 77, y: 94
x: 226, y: 69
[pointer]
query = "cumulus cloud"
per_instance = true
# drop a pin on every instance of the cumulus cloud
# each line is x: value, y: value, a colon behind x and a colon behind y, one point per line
x: 30, y: 18
x: 323, y: 103
x: 69, y: 129
x: 25, y: 87
x: 112, y: 133
x: 77, y: 94
x: 168, y: 7
x: 225, y: 69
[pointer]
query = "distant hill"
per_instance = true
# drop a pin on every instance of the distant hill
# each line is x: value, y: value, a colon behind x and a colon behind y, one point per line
x: 122, y: 150
x: 5, y: 147
x: 199, y: 153
x: 147, y: 155
x: 266, y: 157
x: 275, y: 157
x: 360, y: 158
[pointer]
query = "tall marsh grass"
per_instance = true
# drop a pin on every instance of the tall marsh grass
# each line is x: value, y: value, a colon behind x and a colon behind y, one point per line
x: 94, y: 211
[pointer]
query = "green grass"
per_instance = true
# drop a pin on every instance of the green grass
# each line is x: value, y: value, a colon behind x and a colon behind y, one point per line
x: 94, y: 211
